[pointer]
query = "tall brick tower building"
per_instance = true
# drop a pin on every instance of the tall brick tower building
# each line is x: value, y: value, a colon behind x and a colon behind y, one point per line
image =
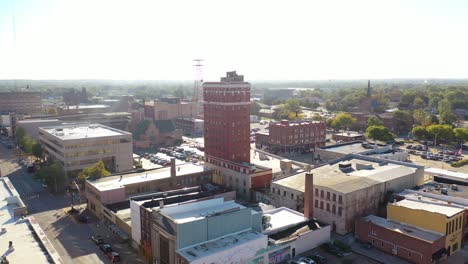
x: 227, y: 119
x: 226, y: 109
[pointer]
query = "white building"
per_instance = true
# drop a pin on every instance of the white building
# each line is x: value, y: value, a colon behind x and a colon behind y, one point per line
x: 79, y: 146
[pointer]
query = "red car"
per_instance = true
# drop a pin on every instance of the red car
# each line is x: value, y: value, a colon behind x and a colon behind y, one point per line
x: 113, y: 256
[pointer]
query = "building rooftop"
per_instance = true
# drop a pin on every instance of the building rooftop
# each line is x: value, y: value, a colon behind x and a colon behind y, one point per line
x: 82, y: 131
x: 25, y: 121
x: 430, y: 206
x: 405, y: 229
x: 426, y: 194
x: 119, y: 181
x: 184, y: 213
x: 347, y: 148
x: 349, y: 175
x: 29, y: 241
x: 282, y: 218
x: 95, y: 106
x: 217, y: 245
x: 350, y: 134
x: 447, y: 174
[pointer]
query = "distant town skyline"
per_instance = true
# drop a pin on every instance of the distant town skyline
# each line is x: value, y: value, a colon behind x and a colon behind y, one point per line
x: 263, y: 40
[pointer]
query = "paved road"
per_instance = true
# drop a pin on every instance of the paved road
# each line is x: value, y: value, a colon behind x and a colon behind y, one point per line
x: 70, y: 239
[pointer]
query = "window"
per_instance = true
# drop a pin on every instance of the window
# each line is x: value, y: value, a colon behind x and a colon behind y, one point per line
x: 455, y: 247
x: 340, y: 211
x: 328, y: 207
x: 321, y: 205
x: 284, y: 193
x: 334, y: 209
x: 292, y: 196
x: 340, y: 199
x: 316, y: 192
x: 334, y: 197
x: 321, y: 193
x: 409, y: 254
x: 456, y: 224
x: 273, y: 190
x: 279, y: 192
x: 328, y: 195
x: 316, y: 203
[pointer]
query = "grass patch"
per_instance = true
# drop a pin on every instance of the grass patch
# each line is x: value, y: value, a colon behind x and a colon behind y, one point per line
x: 460, y: 163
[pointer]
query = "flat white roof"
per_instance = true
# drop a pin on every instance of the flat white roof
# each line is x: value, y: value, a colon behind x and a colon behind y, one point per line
x: 27, y: 247
x: 220, y: 244
x: 184, y: 213
x: 405, y: 229
x: 115, y: 182
x: 281, y: 219
x: 83, y: 131
x: 84, y: 106
x: 434, y: 207
x: 442, y: 172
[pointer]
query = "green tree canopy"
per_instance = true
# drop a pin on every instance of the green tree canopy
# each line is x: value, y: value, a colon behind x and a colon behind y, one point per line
x: 380, y: 133
x: 141, y: 128
x: 20, y: 134
x: 37, y: 150
x: 403, y: 121
x: 461, y: 134
x: 442, y: 132
x: 54, y: 176
x: 318, y: 117
x: 420, y: 132
x: 447, y: 118
x: 343, y: 121
x: 374, y: 121
x: 96, y: 170
x: 419, y: 116
x: 293, y: 106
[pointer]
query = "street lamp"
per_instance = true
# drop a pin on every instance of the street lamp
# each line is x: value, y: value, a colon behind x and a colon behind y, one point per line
x: 435, y: 140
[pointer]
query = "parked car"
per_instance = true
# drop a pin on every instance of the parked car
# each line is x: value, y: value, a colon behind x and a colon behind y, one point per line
x: 319, y: 259
x: 113, y: 256
x: 106, y: 248
x: 409, y: 147
x: 97, y: 239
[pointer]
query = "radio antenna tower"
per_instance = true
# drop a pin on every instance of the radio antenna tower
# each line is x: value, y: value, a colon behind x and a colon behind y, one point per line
x: 197, y: 85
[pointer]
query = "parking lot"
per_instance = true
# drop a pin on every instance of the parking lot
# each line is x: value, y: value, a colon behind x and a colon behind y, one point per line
x: 351, y: 258
x: 161, y: 157
x: 435, y: 157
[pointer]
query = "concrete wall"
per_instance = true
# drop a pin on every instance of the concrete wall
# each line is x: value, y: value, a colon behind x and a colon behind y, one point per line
x: 312, y: 239
x: 136, y: 224
x: 279, y: 198
x: 31, y: 127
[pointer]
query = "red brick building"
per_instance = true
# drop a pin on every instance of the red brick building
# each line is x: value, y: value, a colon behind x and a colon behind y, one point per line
x: 226, y: 111
x: 405, y: 241
x: 291, y: 136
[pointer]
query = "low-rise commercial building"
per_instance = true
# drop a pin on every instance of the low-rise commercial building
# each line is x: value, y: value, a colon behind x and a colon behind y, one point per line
x: 351, y: 187
x: 21, y: 102
x: 119, y: 188
x: 292, y: 136
x: 82, y: 109
x: 29, y: 242
x: 79, y: 146
x: 190, y: 126
x: 333, y: 152
x: 444, y: 218
x: 348, y: 136
x: 408, y: 242
x: 170, y: 108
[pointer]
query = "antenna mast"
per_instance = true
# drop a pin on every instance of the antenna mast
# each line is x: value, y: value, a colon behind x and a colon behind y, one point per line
x: 197, y: 86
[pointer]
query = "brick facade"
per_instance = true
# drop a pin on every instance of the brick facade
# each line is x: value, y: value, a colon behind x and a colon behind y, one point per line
x: 412, y: 249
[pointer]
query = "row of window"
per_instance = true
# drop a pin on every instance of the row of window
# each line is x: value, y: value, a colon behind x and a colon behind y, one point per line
x: 453, y: 225
x: 87, y: 153
x: 330, y: 196
x: 328, y: 207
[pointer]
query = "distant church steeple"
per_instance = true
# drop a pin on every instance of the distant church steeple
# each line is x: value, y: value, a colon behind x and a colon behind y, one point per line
x: 368, y: 89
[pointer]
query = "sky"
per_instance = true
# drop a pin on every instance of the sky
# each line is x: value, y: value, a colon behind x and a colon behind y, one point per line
x: 263, y: 40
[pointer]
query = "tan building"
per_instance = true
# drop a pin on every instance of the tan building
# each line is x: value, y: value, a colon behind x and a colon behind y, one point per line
x: 353, y: 186
x: 21, y: 102
x: 78, y: 146
x: 166, y: 109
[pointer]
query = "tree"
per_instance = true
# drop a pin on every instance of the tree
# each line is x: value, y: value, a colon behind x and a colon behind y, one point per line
x: 380, y: 133
x: 54, y: 175
x: 420, y: 132
x: 343, y: 121
x: 403, y: 121
x: 461, y: 134
x: 444, y: 106
x: 440, y: 133
x: 37, y: 150
x: 419, y: 116
x: 447, y: 118
x: 141, y: 128
x: 374, y: 121
x: 27, y: 143
x: 318, y: 117
x: 96, y: 170
x: 20, y: 134
x: 418, y: 103
x: 293, y: 106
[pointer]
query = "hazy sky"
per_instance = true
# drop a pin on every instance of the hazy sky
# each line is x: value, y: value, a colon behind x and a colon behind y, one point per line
x: 58, y: 39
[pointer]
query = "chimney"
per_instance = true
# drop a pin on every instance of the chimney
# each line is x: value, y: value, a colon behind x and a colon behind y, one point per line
x: 173, y: 171
x: 309, y: 196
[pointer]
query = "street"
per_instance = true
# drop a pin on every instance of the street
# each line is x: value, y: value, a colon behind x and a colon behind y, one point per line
x: 70, y: 238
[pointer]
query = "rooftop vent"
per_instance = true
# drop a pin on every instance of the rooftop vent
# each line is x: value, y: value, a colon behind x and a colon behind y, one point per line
x: 366, y: 166
x: 344, y: 165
